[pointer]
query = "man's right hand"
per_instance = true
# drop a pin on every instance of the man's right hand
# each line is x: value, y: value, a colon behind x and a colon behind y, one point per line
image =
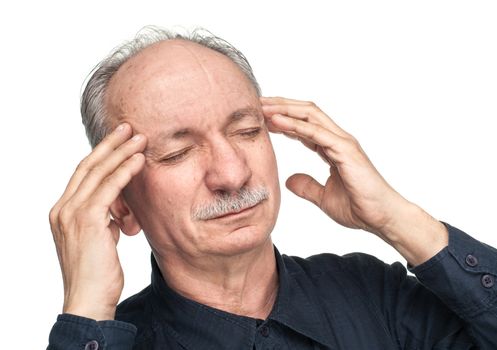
x: 84, y: 232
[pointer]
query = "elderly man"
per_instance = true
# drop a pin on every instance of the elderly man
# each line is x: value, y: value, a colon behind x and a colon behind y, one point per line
x: 182, y: 152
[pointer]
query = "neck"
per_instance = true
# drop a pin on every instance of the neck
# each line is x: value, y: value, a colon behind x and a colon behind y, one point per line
x: 244, y: 284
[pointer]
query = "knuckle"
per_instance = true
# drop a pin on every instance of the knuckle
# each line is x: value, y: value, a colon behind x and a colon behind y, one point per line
x: 308, y: 114
x: 65, y: 216
x: 64, y: 227
x: 312, y: 109
x: 352, y: 143
x: 311, y: 133
x: 109, y: 180
x: 54, y: 222
x: 53, y: 215
x: 315, y: 108
x: 353, y: 140
x: 84, y: 164
x: 96, y: 169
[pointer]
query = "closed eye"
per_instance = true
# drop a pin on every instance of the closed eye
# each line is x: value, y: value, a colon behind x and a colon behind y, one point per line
x: 250, y: 132
x: 176, y: 156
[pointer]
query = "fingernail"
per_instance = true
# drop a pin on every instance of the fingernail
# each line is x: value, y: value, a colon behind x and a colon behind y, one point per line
x: 136, y: 138
x: 120, y: 127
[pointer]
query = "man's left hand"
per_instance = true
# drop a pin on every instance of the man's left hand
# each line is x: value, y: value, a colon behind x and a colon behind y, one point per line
x: 355, y: 194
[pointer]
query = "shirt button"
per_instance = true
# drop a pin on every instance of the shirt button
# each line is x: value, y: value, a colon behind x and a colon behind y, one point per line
x: 471, y: 260
x: 91, y: 345
x: 264, y: 331
x: 487, y: 281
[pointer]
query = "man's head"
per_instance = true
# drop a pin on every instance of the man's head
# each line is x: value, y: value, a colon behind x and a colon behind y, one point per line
x: 208, y: 153
x: 93, y: 110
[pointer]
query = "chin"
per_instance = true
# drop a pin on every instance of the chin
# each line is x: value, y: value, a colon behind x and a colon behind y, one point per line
x: 242, y: 240
x: 242, y: 233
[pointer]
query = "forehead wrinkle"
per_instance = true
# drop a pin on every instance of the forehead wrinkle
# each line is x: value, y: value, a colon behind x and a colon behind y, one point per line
x: 200, y: 64
x: 210, y: 76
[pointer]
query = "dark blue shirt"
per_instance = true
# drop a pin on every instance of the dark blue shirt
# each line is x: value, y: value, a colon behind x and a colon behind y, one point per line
x: 352, y: 302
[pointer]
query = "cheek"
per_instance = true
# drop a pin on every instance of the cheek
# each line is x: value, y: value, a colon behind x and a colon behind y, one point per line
x: 164, y: 193
x: 269, y: 169
x: 174, y: 187
x: 263, y: 157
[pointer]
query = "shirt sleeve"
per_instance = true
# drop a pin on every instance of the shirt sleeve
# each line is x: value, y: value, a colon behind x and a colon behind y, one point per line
x: 463, y: 276
x: 72, y: 332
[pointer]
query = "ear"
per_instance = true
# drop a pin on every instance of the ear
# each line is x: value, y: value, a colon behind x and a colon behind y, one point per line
x: 124, y: 217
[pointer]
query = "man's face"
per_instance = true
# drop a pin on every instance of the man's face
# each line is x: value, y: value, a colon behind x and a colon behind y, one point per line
x: 206, y: 140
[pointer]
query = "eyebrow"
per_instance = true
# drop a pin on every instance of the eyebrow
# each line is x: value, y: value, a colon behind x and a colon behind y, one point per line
x: 243, y: 112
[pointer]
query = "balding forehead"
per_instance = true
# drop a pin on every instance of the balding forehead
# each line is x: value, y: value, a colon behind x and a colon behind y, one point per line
x: 174, y: 79
x: 165, y: 66
x: 175, y: 60
x: 171, y: 55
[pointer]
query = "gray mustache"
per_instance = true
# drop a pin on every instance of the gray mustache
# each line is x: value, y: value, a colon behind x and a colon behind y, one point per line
x: 226, y: 203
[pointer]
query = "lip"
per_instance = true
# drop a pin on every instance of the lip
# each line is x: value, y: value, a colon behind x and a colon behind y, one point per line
x: 237, y: 214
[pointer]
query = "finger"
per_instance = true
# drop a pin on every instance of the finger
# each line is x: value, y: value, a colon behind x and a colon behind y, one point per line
x: 109, y: 143
x: 290, y: 135
x: 310, y: 145
x: 293, y: 136
x: 111, y: 187
x: 306, y: 187
x: 271, y: 127
x: 282, y: 100
x: 310, y: 132
x: 309, y: 113
x: 322, y: 154
x: 106, y: 167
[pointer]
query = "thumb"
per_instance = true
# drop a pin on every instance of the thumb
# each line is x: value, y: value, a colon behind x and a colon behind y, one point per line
x: 305, y: 187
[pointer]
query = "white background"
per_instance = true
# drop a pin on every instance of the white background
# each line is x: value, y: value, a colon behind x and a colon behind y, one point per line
x: 414, y: 81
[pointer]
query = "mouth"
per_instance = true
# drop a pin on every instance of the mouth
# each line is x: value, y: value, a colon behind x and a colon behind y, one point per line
x: 237, y: 213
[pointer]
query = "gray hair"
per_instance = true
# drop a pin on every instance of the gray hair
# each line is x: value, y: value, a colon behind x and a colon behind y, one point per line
x: 226, y: 203
x: 93, y: 110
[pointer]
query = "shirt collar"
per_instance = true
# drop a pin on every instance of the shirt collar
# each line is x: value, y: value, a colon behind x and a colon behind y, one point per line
x: 198, y: 326
x: 298, y: 306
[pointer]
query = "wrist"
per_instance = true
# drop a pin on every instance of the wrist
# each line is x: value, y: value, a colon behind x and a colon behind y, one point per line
x: 415, y: 234
x: 90, y: 310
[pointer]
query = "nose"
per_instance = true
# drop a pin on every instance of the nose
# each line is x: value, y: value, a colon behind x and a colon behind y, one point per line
x: 227, y: 168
